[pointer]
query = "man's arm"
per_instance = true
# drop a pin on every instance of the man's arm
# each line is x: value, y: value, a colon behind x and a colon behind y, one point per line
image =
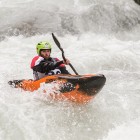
x: 46, y: 66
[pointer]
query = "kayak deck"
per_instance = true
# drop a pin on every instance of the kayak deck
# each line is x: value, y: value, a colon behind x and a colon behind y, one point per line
x: 78, y: 88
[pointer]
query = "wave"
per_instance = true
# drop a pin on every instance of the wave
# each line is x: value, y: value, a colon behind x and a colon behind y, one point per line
x: 33, y: 17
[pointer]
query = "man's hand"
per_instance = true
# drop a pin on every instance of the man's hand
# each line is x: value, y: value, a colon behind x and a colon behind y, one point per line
x: 67, y: 62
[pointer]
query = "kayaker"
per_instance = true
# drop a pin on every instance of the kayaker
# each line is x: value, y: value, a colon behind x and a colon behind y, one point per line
x: 43, y: 64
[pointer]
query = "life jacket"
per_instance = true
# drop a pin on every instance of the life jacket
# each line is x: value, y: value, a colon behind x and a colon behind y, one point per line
x: 38, y: 75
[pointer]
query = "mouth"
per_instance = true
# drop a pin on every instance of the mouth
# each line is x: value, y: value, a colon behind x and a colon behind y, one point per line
x: 46, y: 56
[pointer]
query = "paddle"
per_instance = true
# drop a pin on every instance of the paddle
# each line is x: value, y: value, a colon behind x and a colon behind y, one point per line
x: 59, y: 46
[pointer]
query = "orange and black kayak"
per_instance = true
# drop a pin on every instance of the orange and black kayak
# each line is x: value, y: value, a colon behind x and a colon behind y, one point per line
x: 77, y: 88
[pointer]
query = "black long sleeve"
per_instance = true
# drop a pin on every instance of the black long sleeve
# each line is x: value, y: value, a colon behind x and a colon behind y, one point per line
x: 46, y: 66
x: 51, y: 65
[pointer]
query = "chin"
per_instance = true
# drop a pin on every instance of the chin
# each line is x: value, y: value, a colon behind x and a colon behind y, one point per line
x: 46, y: 57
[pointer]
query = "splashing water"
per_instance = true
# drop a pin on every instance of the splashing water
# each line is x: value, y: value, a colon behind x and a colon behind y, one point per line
x: 98, y: 37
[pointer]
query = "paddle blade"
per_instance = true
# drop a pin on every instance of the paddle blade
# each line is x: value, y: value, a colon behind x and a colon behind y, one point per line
x: 59, y: 46
x: 57, y: 42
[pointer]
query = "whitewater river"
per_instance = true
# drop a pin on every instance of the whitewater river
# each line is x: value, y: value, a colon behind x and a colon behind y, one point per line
x: 98, y: 36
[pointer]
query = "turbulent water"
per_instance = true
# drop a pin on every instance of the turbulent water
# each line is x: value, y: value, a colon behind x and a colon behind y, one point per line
x: 98, y: 36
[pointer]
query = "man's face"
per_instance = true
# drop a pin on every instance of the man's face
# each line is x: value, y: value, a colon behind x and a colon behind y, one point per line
x: 45, y: 53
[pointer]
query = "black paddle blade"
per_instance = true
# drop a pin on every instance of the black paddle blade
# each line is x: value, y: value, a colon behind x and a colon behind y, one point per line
x: 57, y: 42
x: 59, y: 46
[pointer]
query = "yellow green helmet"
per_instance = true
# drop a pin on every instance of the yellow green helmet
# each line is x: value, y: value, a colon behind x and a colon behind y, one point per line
x: 43, y: 45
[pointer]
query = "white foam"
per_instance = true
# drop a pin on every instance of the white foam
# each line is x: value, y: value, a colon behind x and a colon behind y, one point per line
x: 126, y: 131
x: 113, y: 114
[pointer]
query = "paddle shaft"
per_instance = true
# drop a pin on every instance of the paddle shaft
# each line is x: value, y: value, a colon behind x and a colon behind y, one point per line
x: 59, y: 46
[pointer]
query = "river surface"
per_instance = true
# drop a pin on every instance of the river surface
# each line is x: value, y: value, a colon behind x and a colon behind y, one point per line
x: 98, y: 36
